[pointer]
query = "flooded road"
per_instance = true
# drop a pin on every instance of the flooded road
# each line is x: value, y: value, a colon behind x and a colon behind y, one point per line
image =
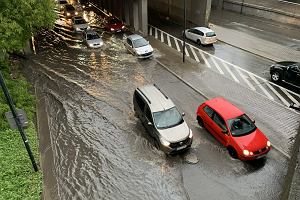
x: 101, y: 151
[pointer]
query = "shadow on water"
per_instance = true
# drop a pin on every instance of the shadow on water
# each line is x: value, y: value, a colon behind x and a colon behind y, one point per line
x: 255, y: 165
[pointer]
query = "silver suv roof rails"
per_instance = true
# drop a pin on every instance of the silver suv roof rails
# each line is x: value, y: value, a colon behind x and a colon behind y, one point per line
x: 161, y: 91
x: 144, y: 95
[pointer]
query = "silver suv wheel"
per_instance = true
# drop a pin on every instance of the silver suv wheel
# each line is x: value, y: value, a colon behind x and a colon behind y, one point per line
x: 275, y: 76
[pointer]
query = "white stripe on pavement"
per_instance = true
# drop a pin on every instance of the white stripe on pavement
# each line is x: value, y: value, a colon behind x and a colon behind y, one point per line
x: 245, y: 79
x: 162, y: 37
x: 168, y: 39
x: 194, y: 54
x: 203, y: 57
x: 217, y: 66
x: 290, y: 96
x: 278, y: 95
x: 261, y: 87
x: 176, y: 43
x: 186, y: 51
x: 230, y: 72
x: 155, y: 33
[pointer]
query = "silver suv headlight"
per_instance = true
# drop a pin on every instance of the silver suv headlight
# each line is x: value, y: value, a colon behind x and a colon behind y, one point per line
x: 191, y: 133
x: 164, y: 142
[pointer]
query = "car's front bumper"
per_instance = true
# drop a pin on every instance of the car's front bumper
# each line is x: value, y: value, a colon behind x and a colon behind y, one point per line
x: 255, y: 156
x: 170, y: 150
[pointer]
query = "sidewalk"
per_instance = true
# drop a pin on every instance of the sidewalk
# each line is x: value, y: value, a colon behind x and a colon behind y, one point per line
x: 247, y: 33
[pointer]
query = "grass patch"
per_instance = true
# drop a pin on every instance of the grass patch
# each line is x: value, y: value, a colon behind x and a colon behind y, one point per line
x: 18, y: 179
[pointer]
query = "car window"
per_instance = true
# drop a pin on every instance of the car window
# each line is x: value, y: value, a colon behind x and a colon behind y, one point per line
x: 210, y: 34
x: 208, y: 111
x: 79, y: 21
x: 191, y: 30
x: 140, y: 43
x: 114, y: 21
x: 139, y: 100
x: 92, y: 36
x: 70, y: 8
x: 219, y: 121
x: 295, y: 69
x: 167, y: 118
x: 199, y: 33
x: 241, y: 125
x: 148, y: 114
x: 129, y: 42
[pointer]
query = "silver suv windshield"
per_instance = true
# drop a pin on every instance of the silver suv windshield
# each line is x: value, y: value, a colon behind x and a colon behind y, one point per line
x: 167, y: 118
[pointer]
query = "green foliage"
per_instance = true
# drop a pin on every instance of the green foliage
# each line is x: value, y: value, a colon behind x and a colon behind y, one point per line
x: 18, y: 180
x: 20, y: 19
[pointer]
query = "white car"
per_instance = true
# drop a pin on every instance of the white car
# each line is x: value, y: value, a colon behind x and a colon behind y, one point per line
x: 139, y: 46
x: 201, y: 35
x: 79, y: 24
x: 92, y: 39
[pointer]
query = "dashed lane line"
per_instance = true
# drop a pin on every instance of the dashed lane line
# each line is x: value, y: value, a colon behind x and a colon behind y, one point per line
x: 177, y: 46
x: 291, y: 97
x: 162, y: 37
x: 205, y: 60
x: 261, y: 87
x: 168, y: 39
x: 246, y: 80
x: 230, y: 72
x: 217, y: 65
x: 278, y: 95
x: 194, y: 54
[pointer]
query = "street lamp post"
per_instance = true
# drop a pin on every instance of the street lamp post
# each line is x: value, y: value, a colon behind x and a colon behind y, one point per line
x: 18, y: 122
x: 184, y: 19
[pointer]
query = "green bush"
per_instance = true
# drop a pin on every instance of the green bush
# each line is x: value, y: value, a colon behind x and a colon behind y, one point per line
x: 18, y: 179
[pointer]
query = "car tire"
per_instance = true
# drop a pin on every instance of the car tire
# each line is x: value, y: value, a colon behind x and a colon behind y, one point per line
x: 200, y: 121
x: 232, y: 152
x: 199, y: 42
x: 275, y: 76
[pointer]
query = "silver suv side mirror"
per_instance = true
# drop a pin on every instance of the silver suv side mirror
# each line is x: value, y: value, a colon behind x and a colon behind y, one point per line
x: 183, y: 114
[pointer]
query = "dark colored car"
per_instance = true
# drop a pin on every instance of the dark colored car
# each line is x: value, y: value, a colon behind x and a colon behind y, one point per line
x: 114, y: 24
x: 287, y: 71
x: 70, y: 11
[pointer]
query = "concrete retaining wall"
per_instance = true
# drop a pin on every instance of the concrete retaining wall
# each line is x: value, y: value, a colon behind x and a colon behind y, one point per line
x: 264, y: 12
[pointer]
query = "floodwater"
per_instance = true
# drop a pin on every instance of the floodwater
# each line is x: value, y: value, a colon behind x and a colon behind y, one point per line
x: 100, y: 150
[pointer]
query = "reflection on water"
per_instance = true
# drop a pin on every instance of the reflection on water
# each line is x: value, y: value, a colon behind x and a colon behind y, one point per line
x: 100, y: 150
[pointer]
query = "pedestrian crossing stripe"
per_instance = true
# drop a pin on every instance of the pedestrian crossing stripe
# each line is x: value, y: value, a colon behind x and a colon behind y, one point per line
x: 267, y: 88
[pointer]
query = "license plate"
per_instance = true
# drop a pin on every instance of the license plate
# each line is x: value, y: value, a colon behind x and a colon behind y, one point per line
x: 182, y: 147
x: 118, y: 30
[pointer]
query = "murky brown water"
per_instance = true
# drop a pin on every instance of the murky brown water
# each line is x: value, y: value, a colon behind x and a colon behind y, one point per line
x: 101, y: 151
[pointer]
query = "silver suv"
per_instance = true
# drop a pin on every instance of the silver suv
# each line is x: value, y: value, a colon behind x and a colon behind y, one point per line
x: 162, y: 119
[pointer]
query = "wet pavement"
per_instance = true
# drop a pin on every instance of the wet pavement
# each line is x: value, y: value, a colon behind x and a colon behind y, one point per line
x: 93, y: 147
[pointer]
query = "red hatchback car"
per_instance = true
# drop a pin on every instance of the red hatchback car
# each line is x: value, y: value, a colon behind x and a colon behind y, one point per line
x: 233, y: 128
x: 113, y: 24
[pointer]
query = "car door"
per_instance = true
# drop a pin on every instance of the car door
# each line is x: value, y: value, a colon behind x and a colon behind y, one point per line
x: 293, y: 75
x: 207, y: 118
x: 139, y: 105
x: 189, y: 34
x: 149, y: 121
x: 200, y: 35
x: 220, y: 129
x: 129, y: 45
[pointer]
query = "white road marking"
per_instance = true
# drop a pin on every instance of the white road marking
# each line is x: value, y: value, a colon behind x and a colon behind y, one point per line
x: 150, y: 31
x: 162, y: 37
x: 186, y: 51
x: 155, y: 33
x: 230, y: 72
x: 217, y: 66
x: 290, y: 97
x: 194, y: 54
x: 261, y: 87
x: 176, y: 43
x: 203, y: 57
x: 168, y: 39
x: 278, y: 95
x: 238, y: 69
x: 246, y: 80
